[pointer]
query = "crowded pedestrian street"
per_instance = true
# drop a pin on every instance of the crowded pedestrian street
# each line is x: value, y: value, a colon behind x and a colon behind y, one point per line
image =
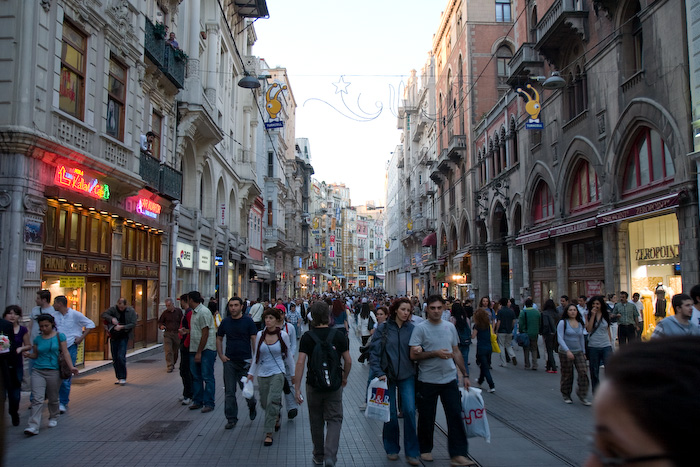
x: 144, y: 424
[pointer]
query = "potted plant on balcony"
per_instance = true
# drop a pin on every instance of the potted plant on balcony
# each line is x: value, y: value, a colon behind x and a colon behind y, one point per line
x: 180, y: 56
x: 159, y: 30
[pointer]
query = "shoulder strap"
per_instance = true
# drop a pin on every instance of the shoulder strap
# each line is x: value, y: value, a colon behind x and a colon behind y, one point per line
x: 314, y: 337
x: 330, y: 337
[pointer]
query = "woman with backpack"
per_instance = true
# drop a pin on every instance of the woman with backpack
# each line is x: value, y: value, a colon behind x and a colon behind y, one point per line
x: 461, y: 321
x: 599, y: 338
x: 390, y: 361
x: 273, y: 352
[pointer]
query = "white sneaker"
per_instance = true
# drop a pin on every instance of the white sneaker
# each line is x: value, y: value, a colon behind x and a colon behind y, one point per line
x: 31, y: 431
x: 53, y: 422
x: 186, y: 401
x: 492, y: 390
x: 122, y: 382
x: 61, y: 408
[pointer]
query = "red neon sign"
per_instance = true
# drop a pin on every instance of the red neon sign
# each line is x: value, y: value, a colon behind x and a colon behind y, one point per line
x: 148, y: 208
x: 75, y: 180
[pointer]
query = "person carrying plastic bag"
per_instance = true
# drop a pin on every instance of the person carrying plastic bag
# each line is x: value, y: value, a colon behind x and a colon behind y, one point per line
x: 474, y: 414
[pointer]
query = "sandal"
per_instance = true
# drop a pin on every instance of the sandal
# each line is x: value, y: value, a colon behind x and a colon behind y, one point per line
x: 268, y: 440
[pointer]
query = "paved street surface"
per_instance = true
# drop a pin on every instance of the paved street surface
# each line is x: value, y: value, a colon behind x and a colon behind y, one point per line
x: 144, y: 424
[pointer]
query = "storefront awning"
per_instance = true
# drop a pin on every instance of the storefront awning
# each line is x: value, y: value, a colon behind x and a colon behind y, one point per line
x: 532, y: 237
x: 573, y: 227
x: 430, y: 239
x: 639, y: 209
x: 458, y: 257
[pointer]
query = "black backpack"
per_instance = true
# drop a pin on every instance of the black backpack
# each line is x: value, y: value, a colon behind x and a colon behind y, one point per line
x: 325, y: 372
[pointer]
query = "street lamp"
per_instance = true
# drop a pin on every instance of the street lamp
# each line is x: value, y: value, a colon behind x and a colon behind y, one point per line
x: 249, y: 82
x: 555, y: 81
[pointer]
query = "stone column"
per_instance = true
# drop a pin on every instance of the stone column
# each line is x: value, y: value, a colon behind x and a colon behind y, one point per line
x: 480, y: 271
x: 609, y: 252
x: 563, y: 268
x: 493, y: 251
x: 193, y: 62
x: 515, y: 258
x: 212, y: 68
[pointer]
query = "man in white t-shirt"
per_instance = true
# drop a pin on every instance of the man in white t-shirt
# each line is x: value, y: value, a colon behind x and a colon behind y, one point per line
x: 695, y: 295
x: 434, y: 344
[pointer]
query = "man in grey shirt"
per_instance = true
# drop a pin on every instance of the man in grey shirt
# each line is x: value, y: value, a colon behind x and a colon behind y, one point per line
x: 680, y: 324
x: 434, y: 344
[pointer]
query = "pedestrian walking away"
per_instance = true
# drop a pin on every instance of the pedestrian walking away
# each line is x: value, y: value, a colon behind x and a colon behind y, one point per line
x: 529, y: 323
x: 434, y: 344
x: 548, y: 329
x: 482, y: 333
x: 240, y: 332
x: 505, y: 322
x: 572, y: 354
x: 120, y: 321
x: 169, y: 322
x: 326, y: 347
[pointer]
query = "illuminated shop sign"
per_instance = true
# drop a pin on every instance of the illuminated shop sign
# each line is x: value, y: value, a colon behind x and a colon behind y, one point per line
x: 148, y: 208
x: 76, y: 180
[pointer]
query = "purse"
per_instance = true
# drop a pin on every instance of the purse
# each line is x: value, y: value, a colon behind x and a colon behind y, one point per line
x: 63, y: 368
x: 494, y: 342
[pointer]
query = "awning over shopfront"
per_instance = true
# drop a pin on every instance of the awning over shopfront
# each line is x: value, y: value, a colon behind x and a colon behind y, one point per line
x: 639, y: 209
x: 430, y: 239
x: 458, y: 257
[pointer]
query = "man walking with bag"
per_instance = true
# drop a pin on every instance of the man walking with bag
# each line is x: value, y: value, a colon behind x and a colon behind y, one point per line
x: 325, y: 381
x: 529, y: 324
x: 120, y: 321
x: 434, y: 344
x: 240, y: 332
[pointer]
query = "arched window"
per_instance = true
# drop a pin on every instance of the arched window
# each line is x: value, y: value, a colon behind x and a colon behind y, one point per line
x: 542, y: 203
x: 633, y: 61
x: 584, y: 187
x: 533, y: 25
x: 576, y: 93
x: 503, y: 56
x: 648, y: 162
x: 513, y: 142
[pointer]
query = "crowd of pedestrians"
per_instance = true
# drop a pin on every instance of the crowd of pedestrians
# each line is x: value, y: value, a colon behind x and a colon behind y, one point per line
x: 420, y: 348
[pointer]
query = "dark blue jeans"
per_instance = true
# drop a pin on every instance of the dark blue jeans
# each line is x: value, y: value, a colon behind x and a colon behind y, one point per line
x: 14, y: 386
x: 233, y: 372
x: 426, y: 403
x: 185, y: 372
x: 483, y: 357
x: 390, y: 433
x: 118, y: 348
x: 465, y: 356
x: 203, y: 389
x: 64, y: 392
x: 596, y: 356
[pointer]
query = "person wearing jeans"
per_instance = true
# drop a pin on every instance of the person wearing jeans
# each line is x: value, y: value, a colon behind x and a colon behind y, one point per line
x: 529, y: 323
x: 391, y: 339
x: 505, y: 322
x: 599, y: 338
x: 202, y: 354
x: 76, y: 327
x: 120, y: 321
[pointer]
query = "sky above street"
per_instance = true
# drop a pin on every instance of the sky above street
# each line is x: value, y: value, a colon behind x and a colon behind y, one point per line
x: 347, y: 63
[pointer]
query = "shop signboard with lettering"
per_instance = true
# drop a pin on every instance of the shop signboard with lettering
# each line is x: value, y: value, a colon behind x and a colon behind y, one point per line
x: 204, y: 260
x: 184, y: 255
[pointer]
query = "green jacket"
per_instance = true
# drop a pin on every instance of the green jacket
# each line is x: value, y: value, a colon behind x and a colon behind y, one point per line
x: 529, y: 322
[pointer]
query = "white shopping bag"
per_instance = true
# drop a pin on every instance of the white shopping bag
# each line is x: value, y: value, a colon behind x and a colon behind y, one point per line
x: 248, y: 388
x: 378, y: 401
x: 474, y: 414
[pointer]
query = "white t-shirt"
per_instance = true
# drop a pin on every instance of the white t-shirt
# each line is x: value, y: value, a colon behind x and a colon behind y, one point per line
x: 363, y: 323
x: 695, y: 318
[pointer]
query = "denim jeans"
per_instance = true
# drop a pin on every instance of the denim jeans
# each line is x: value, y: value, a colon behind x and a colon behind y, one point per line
x: 465, y: 356
x: 118, y: 348
x: 596, y: 356
x: 549, y: 344
x: 483, y: 357
x: 390, y: 433
x: 14, y: 387
x: 426, y: 403
x: 203, y: 385
x: 64, y: 392
x: 233, y: 372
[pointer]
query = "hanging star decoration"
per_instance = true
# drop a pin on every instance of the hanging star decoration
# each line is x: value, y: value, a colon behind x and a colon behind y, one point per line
x: 359, y: 114
x: 341, y: 86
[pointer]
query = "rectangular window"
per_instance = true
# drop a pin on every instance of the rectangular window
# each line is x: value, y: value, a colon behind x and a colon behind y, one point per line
x: 50, y: 226
x: 62, y: 221
x: 73, y: 239
x: 94, y: 234
x: 503, y: 11
x: 83, y: 233
x: 270, y: 164
x: 156, y: 128
x: 105, y: 237
x: 116, y: 92
x: 72, y: 87
x: 269, y: 213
